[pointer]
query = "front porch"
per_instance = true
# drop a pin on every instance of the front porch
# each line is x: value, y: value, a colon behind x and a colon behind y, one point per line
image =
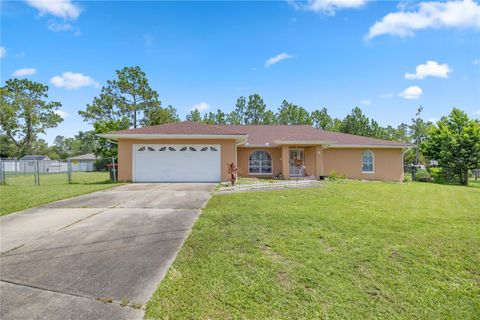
x: 292, y: 161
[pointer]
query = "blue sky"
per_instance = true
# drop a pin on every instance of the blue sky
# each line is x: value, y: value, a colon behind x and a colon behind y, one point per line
x: 334, y: 54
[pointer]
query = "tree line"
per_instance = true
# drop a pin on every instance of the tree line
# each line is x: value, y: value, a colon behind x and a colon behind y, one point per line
x: 128, y: 101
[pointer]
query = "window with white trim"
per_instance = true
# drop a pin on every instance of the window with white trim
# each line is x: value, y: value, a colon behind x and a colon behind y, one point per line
x: 367, y: 161
x: 260, y: 162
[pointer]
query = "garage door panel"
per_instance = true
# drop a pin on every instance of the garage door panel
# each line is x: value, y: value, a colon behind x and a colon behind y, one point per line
x: 176, y: 163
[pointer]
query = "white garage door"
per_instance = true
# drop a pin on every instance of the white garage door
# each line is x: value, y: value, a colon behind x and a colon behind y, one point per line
x: 176, y: 163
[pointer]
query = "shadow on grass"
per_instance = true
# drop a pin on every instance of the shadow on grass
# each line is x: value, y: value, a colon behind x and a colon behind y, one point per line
x: 471, y: 184
x: 95, y: 182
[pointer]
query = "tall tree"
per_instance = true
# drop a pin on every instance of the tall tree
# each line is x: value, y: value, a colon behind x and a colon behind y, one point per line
x: 455, y: 143
x: 269, y: 117
x: 122, y: 103
x: 356, y: 123
x: 62, y: 146
x: 418, y: 132
x: 129, y: 96
x: 40, y: 146
x: 220, y: 117
x: 209, y: 118
x: 233, y: 118
x: 337, y: 123
x: 8, y: 149
x: 377, y: 131
x: 194, y: 116
x: 25, y: 113
x: 322, y: 120
x: 106, y: 148
x: 158, y: 115
x: 237, y: 116
x: 87, y: 142
x: 289, y: 113
x: 255, y: 111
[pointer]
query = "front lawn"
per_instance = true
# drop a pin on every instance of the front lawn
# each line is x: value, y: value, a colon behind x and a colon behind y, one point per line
x: 351, y: 250
x: 20, y: 193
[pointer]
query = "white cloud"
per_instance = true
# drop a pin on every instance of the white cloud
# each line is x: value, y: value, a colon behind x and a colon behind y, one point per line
x: 277, y: 59
x: 24, y: 72
x: 71, y: 80
x: 386, y: 95
x: 327, y: 6
x: 365, y: 102
x: 57, y: 27
x: 476, y: 61
x: 62, y: 114
x: 3, y: 52
x: 202, y: 106
x: 62, y: 26
x: 429, y: 69
x: 436, y: 15
x: 411, y: 93
x: 59, y: 8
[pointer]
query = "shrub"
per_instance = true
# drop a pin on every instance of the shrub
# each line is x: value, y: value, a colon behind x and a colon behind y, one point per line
x: 101, y: 164
x: 423, y: 176
x: 438, y: 176
x: 443, y: 175
x: 333, y: 176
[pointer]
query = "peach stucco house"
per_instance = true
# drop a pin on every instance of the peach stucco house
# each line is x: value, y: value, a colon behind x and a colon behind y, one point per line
x: 189, y: 151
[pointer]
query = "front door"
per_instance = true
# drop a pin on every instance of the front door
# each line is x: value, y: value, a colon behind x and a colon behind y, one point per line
x: 296, y: 162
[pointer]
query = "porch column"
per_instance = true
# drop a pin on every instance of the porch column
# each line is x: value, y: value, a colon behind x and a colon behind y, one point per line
x: 285, y: 163
x: 319, y: 161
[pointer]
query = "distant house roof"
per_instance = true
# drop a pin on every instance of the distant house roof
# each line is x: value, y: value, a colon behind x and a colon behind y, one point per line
x: 34, y: 157
x: 254, y: 135
x: 87, y: 156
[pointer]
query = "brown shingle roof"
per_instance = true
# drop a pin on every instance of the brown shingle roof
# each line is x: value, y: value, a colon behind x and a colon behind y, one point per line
x: 261, y: 134
x: 185, y: 127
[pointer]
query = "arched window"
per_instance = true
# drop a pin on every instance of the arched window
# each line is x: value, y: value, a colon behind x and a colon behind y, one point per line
x: 367, y: 161
x: 260, y: 162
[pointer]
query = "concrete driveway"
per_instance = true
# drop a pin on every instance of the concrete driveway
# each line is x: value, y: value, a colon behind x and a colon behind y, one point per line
x: 89, y: 256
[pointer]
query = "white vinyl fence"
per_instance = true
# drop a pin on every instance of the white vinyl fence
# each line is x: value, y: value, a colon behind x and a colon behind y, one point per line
x: 34, y: 172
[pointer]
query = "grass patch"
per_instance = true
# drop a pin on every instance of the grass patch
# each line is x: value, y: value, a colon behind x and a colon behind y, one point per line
x: 345, y: 251
x: 20, y: 193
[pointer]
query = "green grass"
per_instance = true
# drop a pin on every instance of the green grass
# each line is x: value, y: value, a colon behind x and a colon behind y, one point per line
x: 343, y: 251
x: 20, y: 193
x: 474, y: 183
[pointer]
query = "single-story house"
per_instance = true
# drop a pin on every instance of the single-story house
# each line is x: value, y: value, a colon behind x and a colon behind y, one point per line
x: 83, y: 162
x: 190, y: 151
x: 28, y: 163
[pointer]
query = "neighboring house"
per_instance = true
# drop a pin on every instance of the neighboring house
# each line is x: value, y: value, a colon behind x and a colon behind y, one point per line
x: 27, y: 163
x: 189, y: 151
x: 84, y: 162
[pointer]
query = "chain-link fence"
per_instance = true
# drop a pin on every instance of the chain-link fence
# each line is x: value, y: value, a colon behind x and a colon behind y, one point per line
x: 54, y: 172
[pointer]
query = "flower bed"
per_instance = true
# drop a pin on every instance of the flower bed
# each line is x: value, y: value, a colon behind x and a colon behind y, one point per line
x: 266, y: 185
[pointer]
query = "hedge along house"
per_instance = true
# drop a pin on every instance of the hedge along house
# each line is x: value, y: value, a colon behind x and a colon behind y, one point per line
x: 194, y: 152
